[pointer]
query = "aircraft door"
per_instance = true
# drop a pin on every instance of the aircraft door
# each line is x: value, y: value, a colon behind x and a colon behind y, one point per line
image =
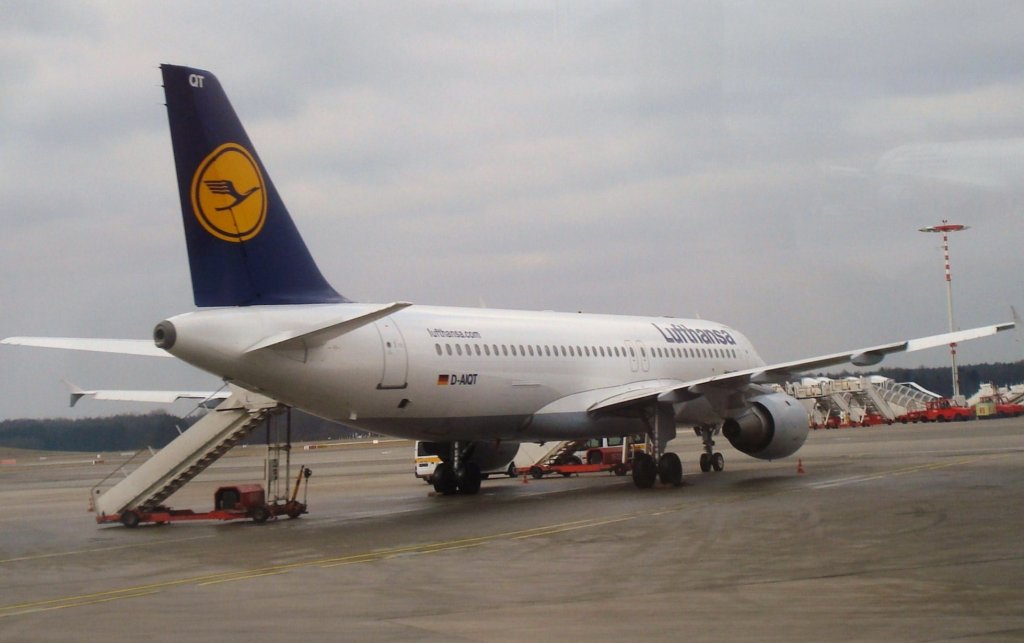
x: 396, y: 358
x: 634, y: 356
x: 645, y: 361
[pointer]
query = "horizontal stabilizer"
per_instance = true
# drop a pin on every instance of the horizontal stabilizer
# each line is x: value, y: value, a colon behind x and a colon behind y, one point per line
x: 149, y: 397
x: 143, y: 347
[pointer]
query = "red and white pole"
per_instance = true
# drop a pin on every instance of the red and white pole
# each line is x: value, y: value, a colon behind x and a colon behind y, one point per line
x: 945, y: 228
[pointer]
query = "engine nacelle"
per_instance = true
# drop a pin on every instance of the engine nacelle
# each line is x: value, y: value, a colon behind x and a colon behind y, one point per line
x: 488, y: 455
x: 773, y: 426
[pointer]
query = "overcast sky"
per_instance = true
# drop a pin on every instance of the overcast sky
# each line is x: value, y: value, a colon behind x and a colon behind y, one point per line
x: 766, y: 165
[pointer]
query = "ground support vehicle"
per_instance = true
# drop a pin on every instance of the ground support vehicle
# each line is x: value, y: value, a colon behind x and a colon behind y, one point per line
x: 588, y: 456
x: 232, y: 502
x: 425, y: 463
x: 939, y: 410
x: 995, y: 406
x: 873, y: 419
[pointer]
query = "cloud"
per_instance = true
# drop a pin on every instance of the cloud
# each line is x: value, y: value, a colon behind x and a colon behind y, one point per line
x: 611, y: 157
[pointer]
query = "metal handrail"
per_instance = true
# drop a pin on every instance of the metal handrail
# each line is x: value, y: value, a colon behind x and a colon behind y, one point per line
x: 96, y: 489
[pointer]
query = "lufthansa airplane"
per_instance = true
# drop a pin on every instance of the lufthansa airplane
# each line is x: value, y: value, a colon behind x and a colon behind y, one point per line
x: 473, y: 382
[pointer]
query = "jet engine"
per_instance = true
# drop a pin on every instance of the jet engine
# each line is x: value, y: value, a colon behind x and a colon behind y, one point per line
x: 773, y: 426
x: 489, y: 455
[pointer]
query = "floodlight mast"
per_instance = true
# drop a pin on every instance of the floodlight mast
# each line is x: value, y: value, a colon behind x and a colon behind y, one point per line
x: 945, y: 228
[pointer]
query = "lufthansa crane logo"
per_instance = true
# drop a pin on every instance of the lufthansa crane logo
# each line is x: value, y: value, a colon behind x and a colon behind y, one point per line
x: 229, y: 196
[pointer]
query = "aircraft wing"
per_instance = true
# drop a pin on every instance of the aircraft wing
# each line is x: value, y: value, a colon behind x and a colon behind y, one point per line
x: 783, y: 371
x: 143, y: 347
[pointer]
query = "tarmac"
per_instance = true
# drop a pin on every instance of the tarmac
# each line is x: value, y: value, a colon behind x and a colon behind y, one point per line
x: 894, y: 533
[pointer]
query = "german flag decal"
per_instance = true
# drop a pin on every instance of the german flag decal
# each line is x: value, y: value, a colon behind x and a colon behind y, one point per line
x: 442, y: 380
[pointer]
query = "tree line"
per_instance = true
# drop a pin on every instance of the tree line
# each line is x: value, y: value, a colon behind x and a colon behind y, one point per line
x: 131, y: 432
x: 940, y: 379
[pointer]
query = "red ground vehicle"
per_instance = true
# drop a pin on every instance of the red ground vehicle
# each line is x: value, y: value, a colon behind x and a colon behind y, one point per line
x: 833, y: 421
x: 233, y: 502
x: 939, y: 410
x: 872, y: 419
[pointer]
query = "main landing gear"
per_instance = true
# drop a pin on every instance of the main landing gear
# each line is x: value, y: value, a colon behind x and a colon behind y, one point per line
x: 659, y: 465
x: 454, y: 474
x: 710, y: 459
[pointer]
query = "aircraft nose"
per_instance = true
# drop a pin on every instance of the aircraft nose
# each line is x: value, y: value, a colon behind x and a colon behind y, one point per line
x: 164, y: 335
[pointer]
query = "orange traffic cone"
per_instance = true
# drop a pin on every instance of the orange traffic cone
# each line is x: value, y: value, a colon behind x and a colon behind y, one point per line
x: 800, y: 465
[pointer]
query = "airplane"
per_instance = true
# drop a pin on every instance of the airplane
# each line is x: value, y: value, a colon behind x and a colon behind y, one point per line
x: 473, y: 382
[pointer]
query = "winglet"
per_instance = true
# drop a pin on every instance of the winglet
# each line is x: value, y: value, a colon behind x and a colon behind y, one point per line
x: 76, y: 392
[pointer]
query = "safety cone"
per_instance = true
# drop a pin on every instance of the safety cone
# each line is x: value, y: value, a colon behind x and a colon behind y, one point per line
x: 800, y: 465
x: 525, y: 476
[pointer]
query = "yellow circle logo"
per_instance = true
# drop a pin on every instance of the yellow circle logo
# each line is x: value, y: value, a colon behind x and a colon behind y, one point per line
x: 228, y: 194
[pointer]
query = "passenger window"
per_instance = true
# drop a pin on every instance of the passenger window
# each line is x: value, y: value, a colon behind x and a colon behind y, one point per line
x: 448, y: 347
x: 547, y: 351
x: 476, y: 347
x: 513, y: 350
x: 458, y: 349
x: 504, y: 350
x: 438, y: 347
x: 487, y: 350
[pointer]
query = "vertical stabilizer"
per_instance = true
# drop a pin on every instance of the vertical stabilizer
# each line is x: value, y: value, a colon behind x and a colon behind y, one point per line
x: 243, y: 247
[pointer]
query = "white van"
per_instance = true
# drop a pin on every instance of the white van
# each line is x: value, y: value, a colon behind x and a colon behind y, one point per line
x: 426, y: 462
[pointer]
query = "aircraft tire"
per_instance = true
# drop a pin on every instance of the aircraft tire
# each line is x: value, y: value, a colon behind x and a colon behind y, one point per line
x: 444, y: 479
x: 717, y: 461
x: 705, y: 462
x: 644, y: 471
x: 468, y: 478
x: 670, y: 470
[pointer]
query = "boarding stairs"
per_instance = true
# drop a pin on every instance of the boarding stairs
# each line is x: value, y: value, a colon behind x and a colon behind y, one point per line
x: 856, y: 397
x: 561, y: 452
x: 186, y: 456
x: 907, y: 396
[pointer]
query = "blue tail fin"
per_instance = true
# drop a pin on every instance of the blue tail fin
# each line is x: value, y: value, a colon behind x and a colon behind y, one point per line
x: 243, y: 248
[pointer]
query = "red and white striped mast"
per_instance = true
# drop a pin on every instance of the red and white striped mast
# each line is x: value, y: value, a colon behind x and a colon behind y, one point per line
x: 945, y: 228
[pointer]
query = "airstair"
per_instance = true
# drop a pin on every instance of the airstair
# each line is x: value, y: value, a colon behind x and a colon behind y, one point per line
x: 855, y: 398
x: 185, y: 457
x: 562, y: 452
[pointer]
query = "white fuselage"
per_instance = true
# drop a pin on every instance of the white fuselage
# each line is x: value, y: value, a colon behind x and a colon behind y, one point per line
x: 460, y: 373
